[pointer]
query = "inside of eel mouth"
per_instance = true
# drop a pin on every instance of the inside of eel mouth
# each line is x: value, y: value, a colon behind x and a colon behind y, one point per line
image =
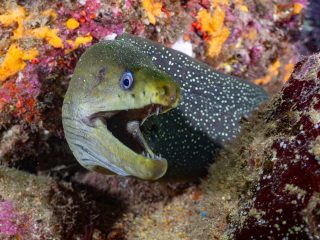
x: 125, y: 126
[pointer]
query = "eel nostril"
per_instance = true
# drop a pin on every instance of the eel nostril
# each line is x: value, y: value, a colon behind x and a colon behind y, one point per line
x: 166, y: 90
x: 169, y: 93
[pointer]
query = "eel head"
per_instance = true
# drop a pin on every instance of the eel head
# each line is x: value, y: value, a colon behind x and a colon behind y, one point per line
x: 114, y: 89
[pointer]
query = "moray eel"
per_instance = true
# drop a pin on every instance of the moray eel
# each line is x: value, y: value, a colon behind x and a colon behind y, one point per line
x: 102, y: 112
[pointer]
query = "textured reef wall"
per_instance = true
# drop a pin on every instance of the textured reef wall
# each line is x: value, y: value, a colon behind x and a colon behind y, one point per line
x: 267, y: 181
x: 40, y: 43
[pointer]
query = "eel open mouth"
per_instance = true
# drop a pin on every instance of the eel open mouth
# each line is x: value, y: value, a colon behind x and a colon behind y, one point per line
x: 125, y: 126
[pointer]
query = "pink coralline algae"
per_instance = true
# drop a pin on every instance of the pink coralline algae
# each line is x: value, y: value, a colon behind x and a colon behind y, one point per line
x: 286, y: 199
x: 22, y: 91
x: 12, y: 222
x: 18, y: 221
x: 87, y: 23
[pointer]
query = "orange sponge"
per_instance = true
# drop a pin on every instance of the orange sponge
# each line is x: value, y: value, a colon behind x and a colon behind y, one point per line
x: 72, y: 23
x: 152, y: 9
x: 79, y: 40
x: 273, y: 71
x: 213, y: 24
x: 15, y: 16
x: 49, y: 34
x: 13, y: 61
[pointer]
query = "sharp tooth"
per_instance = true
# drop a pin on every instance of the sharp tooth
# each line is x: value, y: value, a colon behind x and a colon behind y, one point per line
x: 149, y: 112
x: 161, y: 108
x: 148, y: 155
x: 157, y: 110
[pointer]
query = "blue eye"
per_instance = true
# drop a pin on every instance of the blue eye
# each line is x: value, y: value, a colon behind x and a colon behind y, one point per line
x: 126, y: 81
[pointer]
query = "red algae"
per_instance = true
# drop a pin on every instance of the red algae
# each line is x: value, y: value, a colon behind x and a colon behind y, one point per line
x: 284, y: 193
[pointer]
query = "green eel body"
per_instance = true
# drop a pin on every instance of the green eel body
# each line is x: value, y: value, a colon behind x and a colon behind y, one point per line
x: 102, y: 121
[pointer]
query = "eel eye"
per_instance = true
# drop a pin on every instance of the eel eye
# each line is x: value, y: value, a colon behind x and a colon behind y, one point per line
x: 126, y: 81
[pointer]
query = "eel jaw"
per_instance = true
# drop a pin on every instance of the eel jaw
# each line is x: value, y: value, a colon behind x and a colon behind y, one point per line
x: 122, y: 135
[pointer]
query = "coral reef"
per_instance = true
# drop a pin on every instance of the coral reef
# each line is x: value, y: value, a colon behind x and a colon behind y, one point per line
x: 37, y: 60
x: 266, y: 183
x: 40, y: 44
